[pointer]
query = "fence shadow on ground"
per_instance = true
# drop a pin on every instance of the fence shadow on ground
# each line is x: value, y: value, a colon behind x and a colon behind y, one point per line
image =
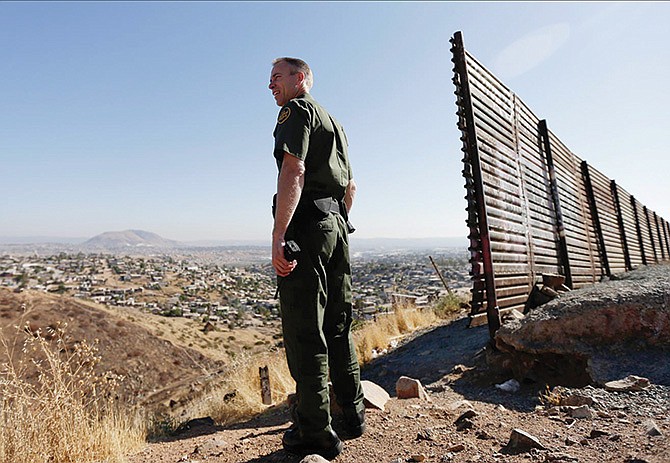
x: 433, y: 354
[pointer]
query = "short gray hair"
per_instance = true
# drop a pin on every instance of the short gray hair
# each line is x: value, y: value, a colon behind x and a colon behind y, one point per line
x: 298, y: 65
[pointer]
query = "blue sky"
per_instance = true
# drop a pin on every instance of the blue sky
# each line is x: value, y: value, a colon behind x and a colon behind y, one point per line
x: 157, y: 115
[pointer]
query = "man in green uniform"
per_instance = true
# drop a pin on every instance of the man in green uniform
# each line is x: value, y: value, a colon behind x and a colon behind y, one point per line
x: 310, y: 254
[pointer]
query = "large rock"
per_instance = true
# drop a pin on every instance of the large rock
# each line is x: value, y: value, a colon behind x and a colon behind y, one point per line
x: 410, y: 388
x: 374, y: 395
x: 596, y: 334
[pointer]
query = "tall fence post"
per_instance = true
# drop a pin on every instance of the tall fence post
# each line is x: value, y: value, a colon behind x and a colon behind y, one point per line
x: 553, y: 187
x: 622, y: 227
x: 638, y: 229
x: 480, y: 230
x: 660, y: 237
x: 590, y: 196
x: 651, y: 233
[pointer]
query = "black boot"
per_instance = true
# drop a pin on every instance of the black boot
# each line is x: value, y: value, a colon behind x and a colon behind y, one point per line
x: 326, y: 444
x: 354, y: 423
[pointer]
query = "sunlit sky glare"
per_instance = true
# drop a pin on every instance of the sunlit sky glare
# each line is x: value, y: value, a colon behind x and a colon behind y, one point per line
x: 157, y: 115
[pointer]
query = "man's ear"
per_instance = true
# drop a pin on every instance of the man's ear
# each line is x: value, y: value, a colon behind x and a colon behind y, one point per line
x: 301, y: 77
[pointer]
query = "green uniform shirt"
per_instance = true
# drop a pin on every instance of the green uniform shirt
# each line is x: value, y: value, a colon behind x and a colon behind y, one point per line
x: 305, y: 130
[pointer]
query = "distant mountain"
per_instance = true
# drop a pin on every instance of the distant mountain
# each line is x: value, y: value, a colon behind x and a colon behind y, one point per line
x: 129, y: 239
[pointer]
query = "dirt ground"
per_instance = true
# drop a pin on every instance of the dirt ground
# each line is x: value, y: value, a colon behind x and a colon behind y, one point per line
x: 466, y: 419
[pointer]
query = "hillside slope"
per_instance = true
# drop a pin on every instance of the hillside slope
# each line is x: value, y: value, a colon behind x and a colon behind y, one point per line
x: 155, y: 369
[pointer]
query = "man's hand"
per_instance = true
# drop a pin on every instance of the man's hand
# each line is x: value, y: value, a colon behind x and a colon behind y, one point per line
x: 289, y: 188
x: 282, y: 266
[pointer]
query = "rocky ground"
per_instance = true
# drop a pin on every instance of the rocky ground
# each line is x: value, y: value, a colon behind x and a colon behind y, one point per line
x: 465, y: 418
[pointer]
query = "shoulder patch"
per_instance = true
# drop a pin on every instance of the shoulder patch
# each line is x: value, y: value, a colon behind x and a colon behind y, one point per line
x: 283, y: 115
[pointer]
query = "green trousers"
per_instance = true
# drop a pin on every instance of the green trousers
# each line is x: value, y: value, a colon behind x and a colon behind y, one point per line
x: 316, y: 311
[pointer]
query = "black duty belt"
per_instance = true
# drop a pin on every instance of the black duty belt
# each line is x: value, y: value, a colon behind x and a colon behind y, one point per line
x: 327, y: 205
x: 316, y: 207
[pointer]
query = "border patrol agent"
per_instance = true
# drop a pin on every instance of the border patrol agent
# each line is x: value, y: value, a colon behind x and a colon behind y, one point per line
x: 310, y: 254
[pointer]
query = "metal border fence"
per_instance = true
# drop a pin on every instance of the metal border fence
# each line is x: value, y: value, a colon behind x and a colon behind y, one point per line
x: 534, y: 207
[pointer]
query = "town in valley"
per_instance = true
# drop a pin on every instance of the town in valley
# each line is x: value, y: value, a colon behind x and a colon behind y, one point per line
x: 227, y: 286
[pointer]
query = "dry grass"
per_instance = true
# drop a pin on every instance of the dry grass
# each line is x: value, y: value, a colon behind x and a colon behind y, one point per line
x: 376, y: 336
x: 54, y: 408
x: 552, y: 397
x: 238, y: 396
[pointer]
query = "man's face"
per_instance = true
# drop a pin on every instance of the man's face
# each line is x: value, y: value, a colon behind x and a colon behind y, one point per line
x: 285, y: 86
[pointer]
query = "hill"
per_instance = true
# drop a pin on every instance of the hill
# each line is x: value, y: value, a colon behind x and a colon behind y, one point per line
x: 116, y: 240
x: 164, y: 362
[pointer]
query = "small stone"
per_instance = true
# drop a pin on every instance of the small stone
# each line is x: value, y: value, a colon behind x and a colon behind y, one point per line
x: 464, y: 424
x: 595, y: 433
x: 212, y: 447
x: 629, y: 383
x: 426, y: 434
x: 467, y: 414
x: 509, y: 386
x: 464, y: 421
x: 514, y: 315
x: 409, y: 388
x: 418, y: 457
x: 456, y: 448
x: 314, y: 459
x: 520, y: 439
x: 651, y: 428
x: 583, y: 412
